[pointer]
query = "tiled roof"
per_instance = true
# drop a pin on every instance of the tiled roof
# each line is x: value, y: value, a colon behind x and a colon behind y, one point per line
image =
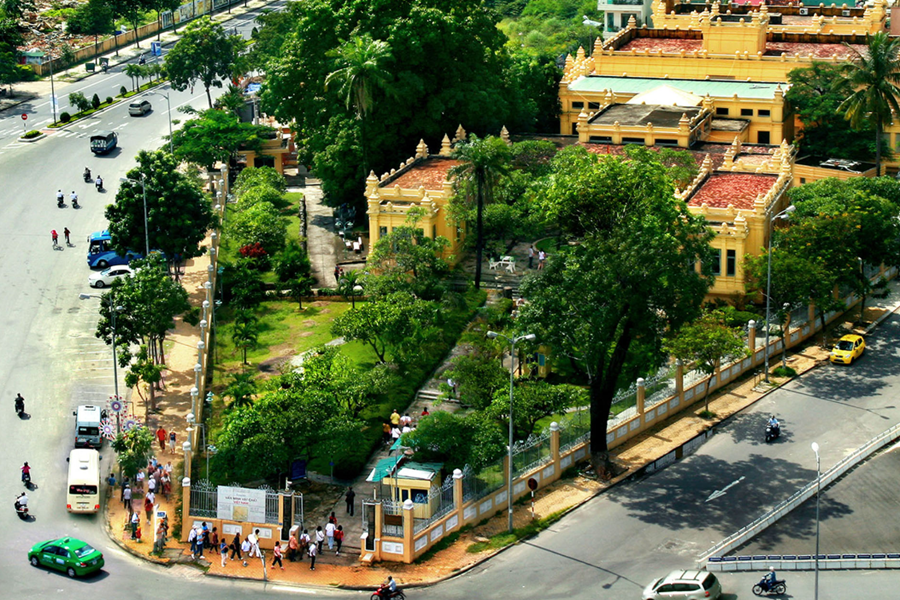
x: 737, y: 189
x: 666, y: 45
x: 749, y: 154
x: 817, y: 50
x: 636, y: 85
x: 431, y: 174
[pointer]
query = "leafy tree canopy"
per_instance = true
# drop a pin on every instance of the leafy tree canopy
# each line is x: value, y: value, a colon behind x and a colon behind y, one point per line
x: 216, y: 136
x: 259, y: 223
x: 457, y: 440
x: 204, y: 53
x: 532, y: 401
x: 178, y: 214
x: 252, y: 177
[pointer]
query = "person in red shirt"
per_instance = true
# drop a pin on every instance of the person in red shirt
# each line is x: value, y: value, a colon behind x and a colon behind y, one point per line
x: 161, y: 435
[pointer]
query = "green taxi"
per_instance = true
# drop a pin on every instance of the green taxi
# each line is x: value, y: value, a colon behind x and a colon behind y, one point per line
x: 67, y: 554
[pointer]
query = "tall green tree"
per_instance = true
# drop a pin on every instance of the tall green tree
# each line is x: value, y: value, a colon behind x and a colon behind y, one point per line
x: 205, y: 53
x: 178, y: 213
x: 632, y: 277
x: 361, y: 70
x: 133, y: 450
x: 482, y: 162
x: 260, y: 223
x: 95, y: 18
x: 245, y: 337
x: 815, y: 94
x: 874, y: 76
x: 533, y: 401
x: 216, y: 135
x: 705, y: 343
x: 131, y: 11
x: 161, y: 6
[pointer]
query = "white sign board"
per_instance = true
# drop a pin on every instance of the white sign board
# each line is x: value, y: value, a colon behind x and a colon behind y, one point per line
x: 241, y: 504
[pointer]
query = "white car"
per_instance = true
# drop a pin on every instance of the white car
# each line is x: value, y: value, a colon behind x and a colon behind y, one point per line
x: 105, y: 277
x: 684, y: 585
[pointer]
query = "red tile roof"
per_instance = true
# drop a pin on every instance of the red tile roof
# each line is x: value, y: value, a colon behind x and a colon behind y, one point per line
x: 716, y: 152
x: 430, y: 174
x: 664, y: 44
x: 737, y: 189
x: 817, y: 50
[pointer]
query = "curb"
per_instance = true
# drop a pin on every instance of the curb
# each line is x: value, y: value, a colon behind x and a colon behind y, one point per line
x: 147, y: 557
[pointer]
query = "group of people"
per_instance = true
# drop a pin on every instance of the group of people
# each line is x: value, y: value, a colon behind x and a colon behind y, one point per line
x: 305, y: 544
x: 202, y: 537
x: 158, y: 478
x: 162, y: 436
x: 396, y: 426
x: 541, y: 256
x: 55, y: 237
x: 300, y: 545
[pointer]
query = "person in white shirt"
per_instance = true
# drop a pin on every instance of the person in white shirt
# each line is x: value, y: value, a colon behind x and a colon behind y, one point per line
x: 254, y: 543
x: 329, y: 535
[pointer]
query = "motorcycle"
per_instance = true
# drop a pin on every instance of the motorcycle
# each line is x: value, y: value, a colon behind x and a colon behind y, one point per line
x: 60, y: 203
x: 26, y: 479
x: 384, y: 594
x: 772, y: 432
x: 764, y: 588
x: 21, y: 510
x: 99, y: 184
x: 75, y: 203
x: 87, y: 176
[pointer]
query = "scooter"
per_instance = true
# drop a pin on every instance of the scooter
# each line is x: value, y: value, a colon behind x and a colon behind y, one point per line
x: 21, y: 511
x: 87, y: 176
x: 385, y: 594
x: 772, y: 432
x: 764, y: 588
x: 99, y: 184
x: 60, y: 203
x: 26, y: 479
x: 75, y: 203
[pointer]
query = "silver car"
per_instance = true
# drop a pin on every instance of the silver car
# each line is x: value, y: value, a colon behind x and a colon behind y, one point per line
x: 139, y: 108
x: 684, y: 585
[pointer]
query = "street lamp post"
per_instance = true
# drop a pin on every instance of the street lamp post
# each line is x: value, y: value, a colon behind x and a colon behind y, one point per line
x: 782, y: 215
x: 512, y: 363
x: 169, y: 105
x: 815, y: 448
x: 112, y: 316
x: 146, y: 228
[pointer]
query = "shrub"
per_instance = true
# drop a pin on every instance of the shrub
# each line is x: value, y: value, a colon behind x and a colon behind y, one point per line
x: 782, y: 371
x: 109, y: 100
x: 255, y: 251
x: 123, y: 90
x: 65, y: 117
x: 95, y: 102
x: 32, y: 134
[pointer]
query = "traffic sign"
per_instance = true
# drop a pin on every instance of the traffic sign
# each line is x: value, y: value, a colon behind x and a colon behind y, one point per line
x: 156, y: 48
x: 24, y: 117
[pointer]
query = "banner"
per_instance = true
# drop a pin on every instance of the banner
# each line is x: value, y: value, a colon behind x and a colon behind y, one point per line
x: 241, y: 504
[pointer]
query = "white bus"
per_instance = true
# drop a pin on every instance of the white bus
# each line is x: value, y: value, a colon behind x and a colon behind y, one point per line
x: 83, y: 494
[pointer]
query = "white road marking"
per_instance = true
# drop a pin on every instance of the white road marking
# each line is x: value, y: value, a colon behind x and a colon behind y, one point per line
x: 720, y: 493
x: 285, y: 588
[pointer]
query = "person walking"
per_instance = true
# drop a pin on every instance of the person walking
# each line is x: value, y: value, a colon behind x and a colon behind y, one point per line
x: 148, y: 508
x: 160, y: 542
x: 246, y: 546
x: 135, y: 523
x: 254, y: 544
x: 320, y: 537
x: 223, y: 551
x: 66, y: 233
x: 276, y: 555
x: 329, y: 535
x: 350, y: 496
x: 172, y: 441
x: 542, y: 256
x: 161, y: 435
x: 531, y: 257
x: 339, y: 539
x: 55, y: 237
x: 214, y: 539
x: 293, y: 547
x: 126, y: 498
x: 192, y: 540
x: 312, y: 556
x: 236, y: 547
x: 304, y: 543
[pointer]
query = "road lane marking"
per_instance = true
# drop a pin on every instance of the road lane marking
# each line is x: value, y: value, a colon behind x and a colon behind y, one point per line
x: 285, y: 588
x: 720, y: 493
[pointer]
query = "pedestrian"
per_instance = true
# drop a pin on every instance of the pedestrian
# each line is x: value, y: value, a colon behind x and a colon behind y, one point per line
x: 214, y: 539
x: 542, y: 256
x: 172, y: 442
x: 425, y: 412
x: 312, y: 556
x: 320, y: 537
x: 339, y: 539
x: 66, y: 233
x: 293, y: 547
x: 236, y: 547
x: 223, y: 551
x: 350, y: 496
x: 329, y: 535
x: 276, y: 555
x: 386, y: 432
x: 332, y: 519
x: 531, y: 256
x: 254, y: 544
x: 160, y: 541
x: 166, y: 485
x: 395, y: 418
x: 148, y: 508
x: 245, y: 548
x: 139, y: 483
x: 204, y: 534
x: 304, y: 543
x: 337, y: 275
x: 161, y: 434
x: 452, y: 386
x: 126, y: 498
x: 151, y: 484
x: 405, y: 420
x: 135, y: 522
x: 55, y: 238
x: 395, y: 433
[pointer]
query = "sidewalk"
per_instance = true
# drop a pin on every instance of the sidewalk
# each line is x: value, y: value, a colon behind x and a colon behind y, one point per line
x: 29, y: 90
x: 559, y: 498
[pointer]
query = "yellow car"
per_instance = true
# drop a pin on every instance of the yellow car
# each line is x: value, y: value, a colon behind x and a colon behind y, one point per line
x: 848, y: 349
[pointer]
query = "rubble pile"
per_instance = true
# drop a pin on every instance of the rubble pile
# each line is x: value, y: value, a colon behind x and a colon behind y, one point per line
x: 47, y: 32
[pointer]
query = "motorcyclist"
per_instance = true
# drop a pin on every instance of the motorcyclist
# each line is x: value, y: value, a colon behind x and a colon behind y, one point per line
x: 769, y: 578
x: 22, y: 501
x: 26, y: 472
x: 74, y: 198
x: 99, y: 183
x: 20, y: 403
x: 87, y: 174
x: 773, y: 423
x: 59, y: 197
x: 388, y: 588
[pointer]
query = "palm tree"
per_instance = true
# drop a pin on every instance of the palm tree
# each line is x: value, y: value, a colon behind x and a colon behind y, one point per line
x: 360, y: 70
x: 241, y: 389
x: 244, y: 337
x: 875, y: 76
x: 482, y: 163
x: 347, y: 286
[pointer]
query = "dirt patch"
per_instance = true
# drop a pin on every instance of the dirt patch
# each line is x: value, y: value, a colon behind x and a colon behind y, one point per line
x: 310, y: 323
x: 325, y: 311
x: 273, y: 366
x: 318, y: 303
x: 307, y: 334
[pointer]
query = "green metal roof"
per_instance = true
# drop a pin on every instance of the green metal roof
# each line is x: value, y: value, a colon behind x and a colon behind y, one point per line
x: 384, y: 468
x: 716, y: 89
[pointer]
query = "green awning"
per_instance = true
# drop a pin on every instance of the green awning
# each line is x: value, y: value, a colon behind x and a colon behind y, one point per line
x: 384, y: 468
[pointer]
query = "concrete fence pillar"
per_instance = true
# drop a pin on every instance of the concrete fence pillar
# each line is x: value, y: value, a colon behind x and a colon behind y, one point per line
x: 186, y: 504
x: 641, y: 393
x: 751, y: 340
x: 812, y: 316
x: 679, y: 380
x: 458, y: 495
x: 554, y: 444
x: 409, y: 524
